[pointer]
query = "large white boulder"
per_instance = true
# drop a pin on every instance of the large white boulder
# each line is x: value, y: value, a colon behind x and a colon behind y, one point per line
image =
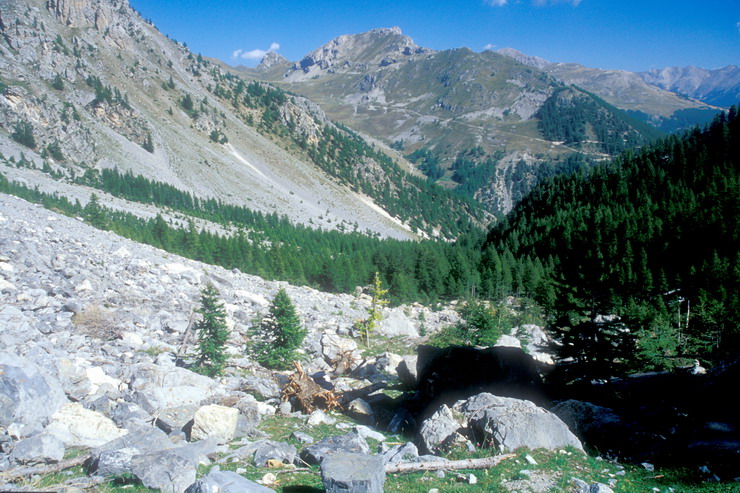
x: 214, y: 421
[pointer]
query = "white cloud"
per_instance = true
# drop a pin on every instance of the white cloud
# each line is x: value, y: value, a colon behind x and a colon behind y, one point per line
x: 256, y: 54
x: 489, y: 46
x: 495, y: 3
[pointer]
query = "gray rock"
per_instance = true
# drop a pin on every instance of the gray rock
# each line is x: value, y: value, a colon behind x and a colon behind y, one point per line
x: 361, y: 411
x: 114, y: 457
x: 349, y: 443
x: 128, y: 412
x: 16, y: 327
x: 175, y: 418
x: 400, y: 453
x: 167, y: 386
x: 407, y: 371
x: 264, y: 450
x: 303, y: 438
x: 584, y: 418
x: 167, y: 471
x: 512, y: 423
x: 396, y: 324
x: 226, y: 482
x: 353, y: 473
x: 438, y: 430
x: 39, y: 449
x: 28, y: 395
x: 261, y: 387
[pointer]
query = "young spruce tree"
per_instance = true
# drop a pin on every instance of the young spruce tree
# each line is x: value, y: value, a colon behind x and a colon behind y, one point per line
x: 212, y: 333
x: 374, y: 311
x: 279, y: 334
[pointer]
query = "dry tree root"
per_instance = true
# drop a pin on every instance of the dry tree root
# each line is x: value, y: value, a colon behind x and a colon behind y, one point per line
x: 307, y: 393
x: 21, y: 472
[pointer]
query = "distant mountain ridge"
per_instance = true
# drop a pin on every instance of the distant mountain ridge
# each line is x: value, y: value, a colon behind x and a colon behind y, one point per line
x: 720, y: 87
x: 471, y: 113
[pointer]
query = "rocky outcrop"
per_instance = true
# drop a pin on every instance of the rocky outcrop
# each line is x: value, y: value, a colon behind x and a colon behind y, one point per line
x: 376, y: 48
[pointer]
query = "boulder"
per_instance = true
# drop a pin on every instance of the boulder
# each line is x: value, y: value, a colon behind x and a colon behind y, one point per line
x: 266, y: 388
x: 175, y: 419
x: 336, y: 349
x: 167, y: 471
x: 359, y: 410
x: 114, y: 457
x: 440, y: 429
x: 43, y: 448
x: 79, y: 427
x: 226, y: 482
x: 214, y: 421
x: 353, y: 473
x: 349, y: 443
x: 407, y: 371
x: 587, y: 420
x: 396, y: 324
x: 172, y: 470
x: 400, y: 453
x: 28, y: 395
x: 169, y: 386
x: 263, y: 451
x: 512, y: 423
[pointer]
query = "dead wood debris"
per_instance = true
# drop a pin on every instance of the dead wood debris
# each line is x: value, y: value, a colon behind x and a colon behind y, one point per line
x: 307, y: 393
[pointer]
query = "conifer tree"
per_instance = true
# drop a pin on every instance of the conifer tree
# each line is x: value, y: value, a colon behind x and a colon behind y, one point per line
x: 212, y: 333
x: 279, y: 334
x: 374, y: 311
x: 95, y: 214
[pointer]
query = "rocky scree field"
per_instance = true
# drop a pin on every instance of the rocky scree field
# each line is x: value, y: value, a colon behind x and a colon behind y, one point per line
x: 95, y: 391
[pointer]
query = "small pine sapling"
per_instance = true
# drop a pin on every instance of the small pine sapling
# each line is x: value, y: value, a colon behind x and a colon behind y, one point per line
x: 279, y: 334
x: 212, y: 333
x: 374, y: 311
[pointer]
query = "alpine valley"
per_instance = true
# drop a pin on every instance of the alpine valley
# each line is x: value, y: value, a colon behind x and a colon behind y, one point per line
x: 494, y: 261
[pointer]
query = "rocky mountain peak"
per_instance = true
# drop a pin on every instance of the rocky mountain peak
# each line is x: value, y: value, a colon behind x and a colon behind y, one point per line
x: 270, y: 60
x: 357, y: 52
x: 524, y: 59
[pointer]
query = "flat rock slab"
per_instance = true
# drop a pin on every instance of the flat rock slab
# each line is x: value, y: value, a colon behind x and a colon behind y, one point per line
x: 349, y: 443
x: 353, y: 473
x: 226, y: 482
x: 79, y: 427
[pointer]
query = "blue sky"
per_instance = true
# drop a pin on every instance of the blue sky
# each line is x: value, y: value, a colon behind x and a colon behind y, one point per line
x: 611, y: 34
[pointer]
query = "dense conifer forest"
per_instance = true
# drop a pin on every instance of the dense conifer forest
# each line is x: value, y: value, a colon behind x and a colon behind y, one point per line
x: 642, y: 255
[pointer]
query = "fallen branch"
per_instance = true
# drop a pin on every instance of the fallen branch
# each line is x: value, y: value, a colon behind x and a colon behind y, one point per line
x: 447, y: 465
x: 21, y: 472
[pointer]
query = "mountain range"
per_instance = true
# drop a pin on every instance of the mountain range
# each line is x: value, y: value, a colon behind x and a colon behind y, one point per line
x: 454, y: 104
